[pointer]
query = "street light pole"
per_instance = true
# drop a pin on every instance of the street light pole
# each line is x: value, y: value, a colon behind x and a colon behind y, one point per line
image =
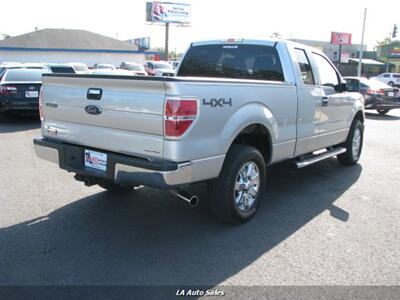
x: 362, y: 45
x: 166, y: 40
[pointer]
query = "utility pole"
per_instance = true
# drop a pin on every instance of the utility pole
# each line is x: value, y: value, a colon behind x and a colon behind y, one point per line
x: 388, y: 53
x: 340, y: 57
x: 362, y: 45
x: 166, y: 40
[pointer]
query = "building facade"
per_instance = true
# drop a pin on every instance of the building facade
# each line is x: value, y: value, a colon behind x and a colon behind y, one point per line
x: 391, y: 55
x: 67, y: 45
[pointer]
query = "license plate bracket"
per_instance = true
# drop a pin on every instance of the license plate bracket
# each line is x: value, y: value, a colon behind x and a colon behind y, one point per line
x: 95, y: 160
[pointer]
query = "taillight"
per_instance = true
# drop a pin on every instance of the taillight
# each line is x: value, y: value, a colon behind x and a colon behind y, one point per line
x: 41, y: 112
x: 376, y: 92
x: 179, y: 116
x: 7, y: 90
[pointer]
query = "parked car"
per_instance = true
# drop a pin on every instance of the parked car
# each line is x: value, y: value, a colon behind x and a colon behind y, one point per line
x: 104, y: 66
x: 135, y: 68
x: 377, y: 95
x: 115, y: 72
x: 234, y: 108
x: 159, y: 68
x: 9, y: 66
x: 174, y: 63
x: 63, y: 68
x: 392, y: 79
x: 79, y: 68
x: 19, y: 90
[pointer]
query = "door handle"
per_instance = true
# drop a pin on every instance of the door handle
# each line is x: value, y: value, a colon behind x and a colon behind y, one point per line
x: 325, y: 101
x: 94, y: 94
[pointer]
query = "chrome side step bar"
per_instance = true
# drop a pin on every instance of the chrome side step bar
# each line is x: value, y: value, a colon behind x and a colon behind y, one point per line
x: 313, y: 158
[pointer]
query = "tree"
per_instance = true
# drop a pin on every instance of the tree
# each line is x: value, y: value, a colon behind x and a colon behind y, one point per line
x: 276, y: 35
x: 384, y: 42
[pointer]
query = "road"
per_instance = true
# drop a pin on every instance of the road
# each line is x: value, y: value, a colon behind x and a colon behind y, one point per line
x: 322, y: 225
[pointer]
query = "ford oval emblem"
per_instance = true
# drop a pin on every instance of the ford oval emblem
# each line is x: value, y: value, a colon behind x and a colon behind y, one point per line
x: 93, y: 109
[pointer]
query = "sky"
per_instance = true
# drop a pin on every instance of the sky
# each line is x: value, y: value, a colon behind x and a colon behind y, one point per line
x: 211, y: 19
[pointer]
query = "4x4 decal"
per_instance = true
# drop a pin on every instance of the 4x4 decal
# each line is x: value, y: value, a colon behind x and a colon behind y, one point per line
x: 221, y: 102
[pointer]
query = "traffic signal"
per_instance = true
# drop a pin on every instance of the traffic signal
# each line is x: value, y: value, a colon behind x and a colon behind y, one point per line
x: 394, y: 33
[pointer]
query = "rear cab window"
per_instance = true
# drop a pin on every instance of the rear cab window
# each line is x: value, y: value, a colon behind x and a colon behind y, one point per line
x: 236, y: 61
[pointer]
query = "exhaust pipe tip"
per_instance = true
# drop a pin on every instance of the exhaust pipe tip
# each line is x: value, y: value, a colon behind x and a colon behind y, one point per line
x: 186, y: 196
x: 79, y: 178
x: 194, y: 201
x: 89, y: 182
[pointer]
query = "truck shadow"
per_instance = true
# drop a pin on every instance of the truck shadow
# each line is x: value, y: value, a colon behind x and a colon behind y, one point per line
x: 151, y: 238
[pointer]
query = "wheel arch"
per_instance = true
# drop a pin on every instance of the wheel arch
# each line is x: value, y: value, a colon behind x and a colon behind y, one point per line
x: 254, y: 125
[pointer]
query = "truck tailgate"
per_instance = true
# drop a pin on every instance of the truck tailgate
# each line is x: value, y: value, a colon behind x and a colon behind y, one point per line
x: 128, y: 118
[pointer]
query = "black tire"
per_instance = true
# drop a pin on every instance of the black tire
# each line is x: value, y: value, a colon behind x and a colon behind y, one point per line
x: 382, y: 111
x: 391, y: 83
x: 115, y: 188
x: 351, y: 157
x: 222, y: 202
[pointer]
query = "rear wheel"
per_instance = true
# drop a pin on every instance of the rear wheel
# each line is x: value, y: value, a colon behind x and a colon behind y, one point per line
x: 391, y: 83
x: 113, y: 187
x: 353, y: 144
x: 382, y: 111
x: 238, y: 191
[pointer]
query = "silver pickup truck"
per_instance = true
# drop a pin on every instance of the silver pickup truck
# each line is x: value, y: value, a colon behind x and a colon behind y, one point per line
x: 235, y: 107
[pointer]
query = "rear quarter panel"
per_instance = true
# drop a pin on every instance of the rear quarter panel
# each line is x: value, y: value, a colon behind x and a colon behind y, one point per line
x: 273, y: 105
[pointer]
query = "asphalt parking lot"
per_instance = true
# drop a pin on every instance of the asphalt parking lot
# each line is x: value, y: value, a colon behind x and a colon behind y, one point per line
x: 322, y: 225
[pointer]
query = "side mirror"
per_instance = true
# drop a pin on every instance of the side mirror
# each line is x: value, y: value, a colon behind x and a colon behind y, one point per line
x: 341, y: 87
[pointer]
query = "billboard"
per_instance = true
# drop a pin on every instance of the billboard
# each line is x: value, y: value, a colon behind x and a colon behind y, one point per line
x: 168, y: 12
x: 143, y: 43
x: 394, y: 52
x: 341, y: 38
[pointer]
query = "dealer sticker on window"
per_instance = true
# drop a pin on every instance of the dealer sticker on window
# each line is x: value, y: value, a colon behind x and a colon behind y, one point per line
x: 96, y: 160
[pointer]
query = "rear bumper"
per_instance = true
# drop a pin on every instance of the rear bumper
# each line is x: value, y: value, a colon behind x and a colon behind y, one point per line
x: 123, y: 169
x: 382, y: 104
x: 19, y: 105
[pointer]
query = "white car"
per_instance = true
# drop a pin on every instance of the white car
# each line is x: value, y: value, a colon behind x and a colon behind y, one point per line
x: 115, y: 72
x: 104, y: 66
x: 79, y: 68
x: 159, y: 68
x: 134, y: 68
x: 392, y: 79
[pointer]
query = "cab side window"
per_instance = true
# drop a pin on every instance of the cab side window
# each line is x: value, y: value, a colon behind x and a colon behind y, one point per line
x: 328, y: 75
x: 305, y: 67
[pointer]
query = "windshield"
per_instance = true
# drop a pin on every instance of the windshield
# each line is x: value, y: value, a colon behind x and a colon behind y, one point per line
x: 160, y: 65
x: 134, y: 67
x: 21, y: 75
